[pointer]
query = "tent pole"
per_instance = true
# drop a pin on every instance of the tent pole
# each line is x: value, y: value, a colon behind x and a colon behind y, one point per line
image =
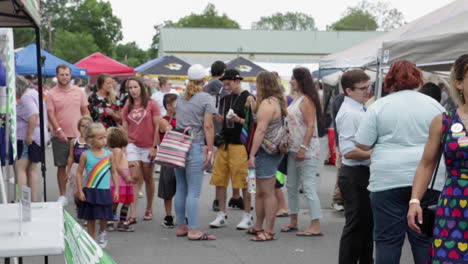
x: 378, y: 78
x: 41, y: 108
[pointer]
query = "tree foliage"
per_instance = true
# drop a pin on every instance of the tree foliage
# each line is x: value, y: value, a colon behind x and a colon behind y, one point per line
x: 286, y: 21
x: 356, y: 20
x: 130, y: 54
x: 73, y: 46
x: 208, y: 19
x: 370, y: 16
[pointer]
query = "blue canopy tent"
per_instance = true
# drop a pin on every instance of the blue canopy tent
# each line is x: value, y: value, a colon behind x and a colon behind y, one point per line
x: 26, y: 63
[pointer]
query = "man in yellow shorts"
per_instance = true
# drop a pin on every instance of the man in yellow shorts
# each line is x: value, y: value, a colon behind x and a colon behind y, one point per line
x: 231, y: 158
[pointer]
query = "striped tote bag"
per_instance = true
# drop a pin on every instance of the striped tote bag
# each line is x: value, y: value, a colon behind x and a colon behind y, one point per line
x: 173, y: 150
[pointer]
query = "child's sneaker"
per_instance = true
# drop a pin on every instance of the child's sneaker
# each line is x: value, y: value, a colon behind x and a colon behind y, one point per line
x: 110, y: 226
x: 168, y: 221
x: 124, y: 227
x: 102, y: 241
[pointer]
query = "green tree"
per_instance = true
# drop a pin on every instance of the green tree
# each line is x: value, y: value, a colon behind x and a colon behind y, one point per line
x: 356, y: 20
x: 286, y: 21
x: 73, y: 46
x: 23, y: 37
x: 208, y: 19
x: 96, y: 18
x: 385, y: 16
x: 130, y: 54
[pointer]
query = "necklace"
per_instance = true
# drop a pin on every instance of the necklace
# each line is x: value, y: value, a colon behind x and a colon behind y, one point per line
x: 232, y: 104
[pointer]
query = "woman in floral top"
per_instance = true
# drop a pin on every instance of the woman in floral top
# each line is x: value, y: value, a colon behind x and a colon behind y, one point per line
x: 103, y: 104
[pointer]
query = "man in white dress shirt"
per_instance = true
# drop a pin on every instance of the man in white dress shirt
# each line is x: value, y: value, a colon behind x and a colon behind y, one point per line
x: 356, y: 244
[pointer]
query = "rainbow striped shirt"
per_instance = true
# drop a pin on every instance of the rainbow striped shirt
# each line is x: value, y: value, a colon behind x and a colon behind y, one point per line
x: 98, y: 171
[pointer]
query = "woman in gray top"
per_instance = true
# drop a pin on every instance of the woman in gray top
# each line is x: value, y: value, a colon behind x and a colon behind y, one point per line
x: 194, y: 109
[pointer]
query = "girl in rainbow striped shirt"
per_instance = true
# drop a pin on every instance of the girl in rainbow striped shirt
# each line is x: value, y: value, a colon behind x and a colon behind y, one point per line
x: 94, y: 190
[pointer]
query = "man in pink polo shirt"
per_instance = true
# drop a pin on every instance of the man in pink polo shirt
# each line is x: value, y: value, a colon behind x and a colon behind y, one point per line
x: 65, y: 106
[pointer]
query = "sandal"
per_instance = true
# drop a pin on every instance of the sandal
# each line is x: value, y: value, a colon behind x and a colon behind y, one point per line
x: 203, y: 236
x: 288, y: 229
x: 263, y: 236
x: 148, y: 216
x: 253, y: 231
x: 182, y: 231
x: 132, y: 221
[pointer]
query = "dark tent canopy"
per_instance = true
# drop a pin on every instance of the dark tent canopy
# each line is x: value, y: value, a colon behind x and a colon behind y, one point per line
x: 167, y: 65
x: 247, y: 69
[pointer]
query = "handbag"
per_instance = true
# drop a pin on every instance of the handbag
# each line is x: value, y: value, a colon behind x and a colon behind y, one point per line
x: 174, y: 148
x: 429, y: 211
x: 271, y: 146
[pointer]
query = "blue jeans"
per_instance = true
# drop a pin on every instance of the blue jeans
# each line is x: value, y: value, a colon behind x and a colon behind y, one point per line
x: 389, y: 209
x: 189, y: 182
x: 307, y: 171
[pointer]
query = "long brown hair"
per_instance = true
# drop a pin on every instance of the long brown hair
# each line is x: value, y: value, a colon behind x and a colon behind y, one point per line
x: 100, y: 82
x: 143, y: 94
x: 267, y: 86
x: 306, y: 85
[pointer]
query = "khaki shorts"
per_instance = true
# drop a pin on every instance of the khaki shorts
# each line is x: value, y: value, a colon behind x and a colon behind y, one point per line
x: 61, y: 151
x: 230, y: 163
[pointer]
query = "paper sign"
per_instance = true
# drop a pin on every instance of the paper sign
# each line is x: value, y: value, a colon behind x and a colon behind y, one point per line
x: 26, y: 203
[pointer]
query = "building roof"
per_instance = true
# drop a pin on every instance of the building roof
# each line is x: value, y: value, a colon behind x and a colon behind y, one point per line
x: 210, y: 40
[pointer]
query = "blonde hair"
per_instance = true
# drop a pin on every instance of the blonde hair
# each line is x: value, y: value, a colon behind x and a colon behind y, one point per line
x: 267, y: 87
x: 83, y: 118
x: 92, y: 130
x: 459, y: 69
x: 193, y: 87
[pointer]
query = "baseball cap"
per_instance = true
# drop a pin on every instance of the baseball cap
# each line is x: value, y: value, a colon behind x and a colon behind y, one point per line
x: 197, y: 72
x: 231, y: 74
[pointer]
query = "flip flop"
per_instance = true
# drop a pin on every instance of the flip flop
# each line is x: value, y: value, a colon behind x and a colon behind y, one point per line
x: 203, y: 236
x: 148, y: 216
x: 132, y: 221
x: 253, y: 231
x: 289, y: 229
x: 284, y: 214
x: 308, y: 234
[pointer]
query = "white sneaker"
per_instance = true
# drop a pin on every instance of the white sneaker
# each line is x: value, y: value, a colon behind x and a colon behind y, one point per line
x: 246, y: 222
x: 338, y: 207
x: 102, y: 241
x: 220, y: 221
x: 63, y: 200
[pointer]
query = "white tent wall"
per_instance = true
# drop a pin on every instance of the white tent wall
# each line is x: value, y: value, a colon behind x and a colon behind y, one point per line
x: 366, y: 53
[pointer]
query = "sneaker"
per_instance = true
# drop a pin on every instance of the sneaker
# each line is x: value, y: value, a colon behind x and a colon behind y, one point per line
x: 246, y: 222
x: 220, y: 221
x: 168, y: 221
x: 140, y: 194
x: 338, y: 207
x: 63, y: 200
x: 110, y: 226
x: 124, y: 227
x: 216, y: 205
x: 102, y: 241
x: 236, y: 203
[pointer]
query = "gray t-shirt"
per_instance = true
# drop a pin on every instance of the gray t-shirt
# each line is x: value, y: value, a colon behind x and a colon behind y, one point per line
x: 217, y: 91
x: 191, y: 113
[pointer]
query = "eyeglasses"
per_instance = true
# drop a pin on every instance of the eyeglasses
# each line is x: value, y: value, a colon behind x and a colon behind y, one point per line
x: 84, y: 126
x: 362, y: 88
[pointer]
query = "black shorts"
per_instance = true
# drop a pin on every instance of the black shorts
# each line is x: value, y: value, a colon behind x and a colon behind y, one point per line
x: 31, y: 152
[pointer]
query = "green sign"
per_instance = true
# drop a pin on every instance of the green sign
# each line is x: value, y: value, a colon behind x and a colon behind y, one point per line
x: 80, y: 248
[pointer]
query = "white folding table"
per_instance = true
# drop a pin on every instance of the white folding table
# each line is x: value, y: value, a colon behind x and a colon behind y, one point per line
x: 43, y: 236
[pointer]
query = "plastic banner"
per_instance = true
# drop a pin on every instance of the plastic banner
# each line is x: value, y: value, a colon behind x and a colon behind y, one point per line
x: 80, y: 248
x: 8, y: 92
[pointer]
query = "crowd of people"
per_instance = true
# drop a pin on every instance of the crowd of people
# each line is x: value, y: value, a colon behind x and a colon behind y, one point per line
x: 104, y: 144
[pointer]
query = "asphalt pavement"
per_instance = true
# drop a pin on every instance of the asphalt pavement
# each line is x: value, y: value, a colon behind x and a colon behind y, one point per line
x: 151, y: 243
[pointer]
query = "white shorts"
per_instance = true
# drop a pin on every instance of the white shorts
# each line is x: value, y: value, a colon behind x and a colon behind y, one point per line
x: 135, y: 153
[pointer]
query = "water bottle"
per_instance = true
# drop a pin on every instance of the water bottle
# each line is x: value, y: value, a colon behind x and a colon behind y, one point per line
x: 251, y: 181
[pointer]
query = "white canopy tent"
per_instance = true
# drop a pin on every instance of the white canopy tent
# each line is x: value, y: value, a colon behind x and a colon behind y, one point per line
x: 365, y: 53
x: 435, y: 47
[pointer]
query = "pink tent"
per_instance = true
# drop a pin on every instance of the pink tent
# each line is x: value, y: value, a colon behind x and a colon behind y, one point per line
x: 99, y: 63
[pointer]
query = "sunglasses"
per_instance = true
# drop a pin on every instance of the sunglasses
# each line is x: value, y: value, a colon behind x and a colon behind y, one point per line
x: 362, y: 88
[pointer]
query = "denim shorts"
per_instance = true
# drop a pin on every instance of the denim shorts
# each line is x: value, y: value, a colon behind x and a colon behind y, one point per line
x: 266, y: 164
x: 31, y: 152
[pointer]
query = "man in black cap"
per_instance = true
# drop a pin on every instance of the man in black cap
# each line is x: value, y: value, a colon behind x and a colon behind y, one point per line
x: 231, y: 158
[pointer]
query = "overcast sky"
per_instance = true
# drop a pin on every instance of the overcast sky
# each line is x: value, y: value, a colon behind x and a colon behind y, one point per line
x: 139, y: 16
